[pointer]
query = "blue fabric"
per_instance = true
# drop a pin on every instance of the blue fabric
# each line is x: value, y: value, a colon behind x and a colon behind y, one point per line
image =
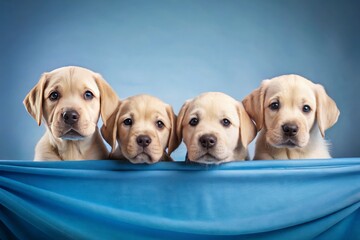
x: 298, y: 199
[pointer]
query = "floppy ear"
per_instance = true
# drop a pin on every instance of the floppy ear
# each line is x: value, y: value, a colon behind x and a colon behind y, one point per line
x: 180, y: 118
x: 109, y: 131
x: 327, y: 112
x: 174, y: 141
x: 254, y: 104
x: 34, y: 99
x: 108, y: 98
x: 247, y: 126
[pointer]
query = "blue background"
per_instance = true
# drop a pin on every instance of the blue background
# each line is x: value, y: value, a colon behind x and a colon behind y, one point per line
x: 176, y: 50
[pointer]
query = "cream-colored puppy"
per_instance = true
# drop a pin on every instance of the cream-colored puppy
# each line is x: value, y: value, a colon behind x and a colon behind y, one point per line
x: 143, y: 127
x: 70, y: 100
x: 292, y: 114
x: 215, y: 129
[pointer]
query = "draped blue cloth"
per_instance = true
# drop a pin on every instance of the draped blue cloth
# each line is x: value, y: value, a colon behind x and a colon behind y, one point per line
x: 105, y: 199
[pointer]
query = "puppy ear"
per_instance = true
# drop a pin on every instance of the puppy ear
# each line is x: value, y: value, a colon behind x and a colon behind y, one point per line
x: 180, y: 118
x: 327, y: 112
x: 34, y: 99
x: 254, y: 104
x: 109, y: 131
x: 247, y: 126
x: 174, y: 141
x: 108, y: 98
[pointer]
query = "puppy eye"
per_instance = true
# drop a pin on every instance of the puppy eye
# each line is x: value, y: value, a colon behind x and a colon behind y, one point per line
x: 306, y: 108
x: 225, y: 122
x: 160, y: 124
x: 54, y: 96
x: 128, y: 122
x: 194, y: 121
x: 274, y: 106
x: 88, y: 95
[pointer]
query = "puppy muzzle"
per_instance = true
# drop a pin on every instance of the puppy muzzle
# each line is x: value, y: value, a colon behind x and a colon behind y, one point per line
x: 290, y: 138
x: 69, y: 120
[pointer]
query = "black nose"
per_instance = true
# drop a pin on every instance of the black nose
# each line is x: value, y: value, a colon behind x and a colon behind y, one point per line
x: 70, y: 117
x: 290, y: 130
x: 207, y: 140
x: 143, y: 140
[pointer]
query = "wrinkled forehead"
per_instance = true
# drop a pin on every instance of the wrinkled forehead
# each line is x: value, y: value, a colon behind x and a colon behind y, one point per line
x: 144, y: 109
x: 73, y: 79
x: 213, y: 108
x: 290, y: 91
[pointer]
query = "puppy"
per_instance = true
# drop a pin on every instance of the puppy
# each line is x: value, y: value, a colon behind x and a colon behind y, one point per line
x: 292, y: 114
x: 69, y: 100
x: 215, y: 129
x: 143, y: 127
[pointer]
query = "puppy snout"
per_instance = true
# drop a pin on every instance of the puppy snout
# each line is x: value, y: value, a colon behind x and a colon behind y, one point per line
x: 290, y: 130
x: 208, y: 141
x: 70, y: 117
x: 143, y: 140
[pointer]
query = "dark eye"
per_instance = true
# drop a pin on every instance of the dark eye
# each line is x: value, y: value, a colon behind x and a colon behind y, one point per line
x: 88, y: 95
x: 306, y: 108
x: 225, y: 122
x: 194, y: 121
x: 54, y: 96
x: 160, y: 124
x: 128, y: 122
x: 274, y: 106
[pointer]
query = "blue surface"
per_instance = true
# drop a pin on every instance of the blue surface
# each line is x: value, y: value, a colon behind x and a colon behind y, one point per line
x: 177, y: 49
x: 307, y: 199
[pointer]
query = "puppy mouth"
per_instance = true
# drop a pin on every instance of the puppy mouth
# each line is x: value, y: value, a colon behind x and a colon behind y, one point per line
x: 142, y: 157
x: 72, y: 135
x: 207, y: 158
x: 289, y: 143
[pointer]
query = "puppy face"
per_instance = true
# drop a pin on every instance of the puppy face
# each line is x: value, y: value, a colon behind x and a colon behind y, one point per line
x: 214, y: 127
x: 288, y: 107
x: 144, y: 128
x: 289, y: 113
x: 70, y: 101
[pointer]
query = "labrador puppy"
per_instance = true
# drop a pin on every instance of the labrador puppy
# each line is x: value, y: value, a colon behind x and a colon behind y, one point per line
x: 143, y: 127
x: 292, y: 114
x: 215, y: 129
x: 70, y: 100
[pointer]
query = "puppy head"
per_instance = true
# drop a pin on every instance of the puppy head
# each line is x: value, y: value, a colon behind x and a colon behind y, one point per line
x: 214, y: 127
x: 144, y: 127
x: 70, y: 101
x: 288, y: 107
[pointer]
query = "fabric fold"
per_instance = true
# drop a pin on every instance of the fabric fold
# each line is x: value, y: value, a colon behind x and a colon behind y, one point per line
x: 302, y: 199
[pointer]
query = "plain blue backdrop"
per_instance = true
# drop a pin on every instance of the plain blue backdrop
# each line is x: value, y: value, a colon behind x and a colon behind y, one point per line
x: 176, y: 50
